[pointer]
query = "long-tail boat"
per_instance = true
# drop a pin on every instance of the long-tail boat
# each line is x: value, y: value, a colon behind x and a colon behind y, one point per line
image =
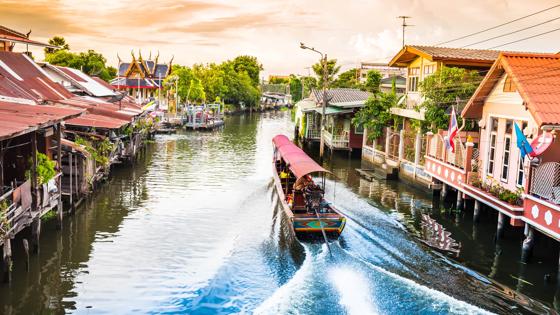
x: 301, y: 198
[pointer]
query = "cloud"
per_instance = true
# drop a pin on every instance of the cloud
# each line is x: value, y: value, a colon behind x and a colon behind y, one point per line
x: 224, y: 24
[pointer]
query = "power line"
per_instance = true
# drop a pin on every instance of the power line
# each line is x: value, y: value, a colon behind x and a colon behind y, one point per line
x: 526, y: 38
x: 497, y: 26
x: 516, y: 31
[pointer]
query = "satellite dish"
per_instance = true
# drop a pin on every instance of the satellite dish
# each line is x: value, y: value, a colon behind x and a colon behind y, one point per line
x: 541, y: 143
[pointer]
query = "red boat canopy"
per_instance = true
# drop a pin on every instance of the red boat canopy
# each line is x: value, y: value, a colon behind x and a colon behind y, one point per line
x: 298, y: 161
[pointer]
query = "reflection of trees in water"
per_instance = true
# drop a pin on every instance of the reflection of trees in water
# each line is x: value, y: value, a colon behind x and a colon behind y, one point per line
x: 50, y: 279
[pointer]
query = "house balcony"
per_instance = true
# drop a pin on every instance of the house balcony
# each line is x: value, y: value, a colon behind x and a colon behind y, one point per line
x: 460, y: 171
x: 314, y: 133
x: 337, y: 141
x: 541, y: 206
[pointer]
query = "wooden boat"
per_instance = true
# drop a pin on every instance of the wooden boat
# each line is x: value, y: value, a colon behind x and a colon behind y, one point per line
x: 301, y: 199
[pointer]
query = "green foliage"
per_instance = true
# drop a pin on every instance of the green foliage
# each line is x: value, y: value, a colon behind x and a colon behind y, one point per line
x: 296, y: 88
x: 373, y: 81
x: 196, y: 91
x: 332, y: 70
x: 45, y: 168
x: 442, y: 89
x: 348, y: 79
x: 498, y: 191
x: 249, y: 65
x: 309, y: 83
x: 99, y: 150
x: 376, y: 115
x: 278, y: 80
x: 90, y: 62
x: 57, y: 41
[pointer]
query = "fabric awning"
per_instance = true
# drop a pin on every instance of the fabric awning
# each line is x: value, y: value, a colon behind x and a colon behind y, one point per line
x: 298, y: 161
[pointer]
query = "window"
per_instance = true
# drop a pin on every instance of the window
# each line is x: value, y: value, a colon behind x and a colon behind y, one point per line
x: 509, y: 85
x: 509, y: 127
x: 359, y: 129
x: 492, y: 148
x: 429, y: 69
x: 413, y: 74
x: 505, y: 162
x: 491, y: 154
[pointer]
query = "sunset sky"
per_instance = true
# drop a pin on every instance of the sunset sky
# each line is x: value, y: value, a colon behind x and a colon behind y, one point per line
x: 211, y: 31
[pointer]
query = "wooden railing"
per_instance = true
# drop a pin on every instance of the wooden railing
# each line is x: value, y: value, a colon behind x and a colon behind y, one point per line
x: 337, y: 140
x: 438, y: 149
x: 314, y: 133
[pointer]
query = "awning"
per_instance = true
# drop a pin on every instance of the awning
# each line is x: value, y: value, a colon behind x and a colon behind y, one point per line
x: 97, y: 121
x: 333, y: 110
x: 298, y: 161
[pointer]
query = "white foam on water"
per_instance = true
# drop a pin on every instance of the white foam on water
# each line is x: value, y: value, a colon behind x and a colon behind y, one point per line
x: 280, y: 302
x: 354, y: 291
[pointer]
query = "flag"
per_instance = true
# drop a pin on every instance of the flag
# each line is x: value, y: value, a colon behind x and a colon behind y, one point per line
x: 522, y: 143
x: 452, y: 130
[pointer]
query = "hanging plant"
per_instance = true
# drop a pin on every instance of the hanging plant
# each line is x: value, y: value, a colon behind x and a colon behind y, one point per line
x: 45, y: 168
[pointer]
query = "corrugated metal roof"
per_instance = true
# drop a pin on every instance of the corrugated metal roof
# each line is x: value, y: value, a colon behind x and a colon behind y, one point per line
x: 97, y: 121
x: 86, y: 83
x: 18, y: 119
x: 23, y: 71
x: 342, y: 97
x: 476, y: 57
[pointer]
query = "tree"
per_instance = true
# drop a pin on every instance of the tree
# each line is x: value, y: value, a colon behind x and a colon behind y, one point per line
x: 57, y: 41
x: 442, y: 89
x: 279, y: 80
x: 181, y: 78
x: 250, y: 65
x: 376, y: 114
x: 196, y: 91
x: 373, y: 81
x: 90, y: 62
x: 348, y: 79
x: 309, y: 83
x: 296, y: 88
x: 332, y: 70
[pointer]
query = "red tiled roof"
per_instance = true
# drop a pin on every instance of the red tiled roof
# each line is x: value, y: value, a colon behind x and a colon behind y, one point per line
x: 23, y: 71
x: 18, y: 37
x: 537, y: 78
x: 18, y: 119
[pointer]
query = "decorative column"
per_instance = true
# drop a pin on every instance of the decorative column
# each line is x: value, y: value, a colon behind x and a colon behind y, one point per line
x: 401, y: 145
x: 417, y: 148
x: 388, y: 141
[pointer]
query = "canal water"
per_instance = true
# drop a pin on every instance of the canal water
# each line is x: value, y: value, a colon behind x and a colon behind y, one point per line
x: 195, y: 228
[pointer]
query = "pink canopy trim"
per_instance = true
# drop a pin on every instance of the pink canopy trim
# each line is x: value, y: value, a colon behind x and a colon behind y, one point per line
x: 299, y: 163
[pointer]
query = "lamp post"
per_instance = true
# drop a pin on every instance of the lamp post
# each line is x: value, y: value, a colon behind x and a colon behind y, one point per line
x: 325, y: 83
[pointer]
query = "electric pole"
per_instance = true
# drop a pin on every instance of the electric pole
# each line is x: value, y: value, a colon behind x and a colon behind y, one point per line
x: 404, y: 25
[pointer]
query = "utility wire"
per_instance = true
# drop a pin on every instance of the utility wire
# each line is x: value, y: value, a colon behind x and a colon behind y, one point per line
x: 526, y: 38
x: 497, y: 26
x: 516, y: 31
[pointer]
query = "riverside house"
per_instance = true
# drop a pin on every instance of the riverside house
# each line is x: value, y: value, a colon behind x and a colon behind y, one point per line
x: 522, y: 89
x: 340, y: 133
x: 402, y: 151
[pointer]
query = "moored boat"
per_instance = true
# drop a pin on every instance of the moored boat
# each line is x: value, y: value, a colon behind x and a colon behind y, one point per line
x: 301, y: 198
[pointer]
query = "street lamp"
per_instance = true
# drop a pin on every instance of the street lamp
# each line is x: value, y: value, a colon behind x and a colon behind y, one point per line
x: 325, y: 83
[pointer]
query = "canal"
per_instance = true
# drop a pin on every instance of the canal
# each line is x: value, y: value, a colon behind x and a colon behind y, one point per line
x: 194, y: 227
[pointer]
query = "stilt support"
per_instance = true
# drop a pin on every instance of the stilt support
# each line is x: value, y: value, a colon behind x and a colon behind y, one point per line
x: 528, y: 243
x: 26, y: 250
x: 7, y: 260
x: 476, y: 211
x: 459, y: 203
x: 35, y: 234
x: 443, y: 191
x: 501, y: 226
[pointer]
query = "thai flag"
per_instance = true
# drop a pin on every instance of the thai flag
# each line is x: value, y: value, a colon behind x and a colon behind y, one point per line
x: 452, y: 130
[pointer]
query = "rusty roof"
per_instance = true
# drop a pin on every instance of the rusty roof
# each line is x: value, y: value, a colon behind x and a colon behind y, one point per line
x: 537, y: 78
x: 455, y: 56
x: 23, y: 71
x: 18, y: 119
x: 97, y: 121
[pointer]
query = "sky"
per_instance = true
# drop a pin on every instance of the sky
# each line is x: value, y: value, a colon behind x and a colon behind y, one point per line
x: 350, y: 31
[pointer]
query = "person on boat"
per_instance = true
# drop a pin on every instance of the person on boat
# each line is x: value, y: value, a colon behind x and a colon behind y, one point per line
x: 284, y: 174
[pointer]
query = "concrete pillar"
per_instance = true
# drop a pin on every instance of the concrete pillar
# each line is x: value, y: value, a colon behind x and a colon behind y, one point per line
x: 417, y: 148
x: 388, y: 141
x: 443, y: 192
x: 476, y: 211
x: 401, y: 144
x: 35, y: 234
x: 26, y: 250
x: 7, y: 260
x: 528, y: 243
x: 501, y: 226
x: 459, y: 203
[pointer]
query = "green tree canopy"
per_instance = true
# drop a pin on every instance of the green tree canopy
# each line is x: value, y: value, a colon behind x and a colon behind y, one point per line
x: 442, y: 89
x: 90, y: 62
x: 196, y: 91
x: 376, y: 114
x: 250, y: 65
x: 373, y: 81
x: 296, y: 88
x: 348, y: 79
x: 332, y: 70
x: 56, y: 41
